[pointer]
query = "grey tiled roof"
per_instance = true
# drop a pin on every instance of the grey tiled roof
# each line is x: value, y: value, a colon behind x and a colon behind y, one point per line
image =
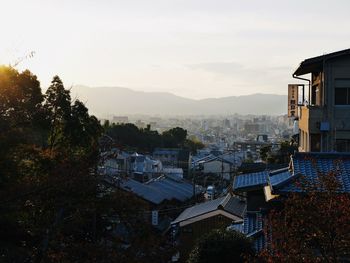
x: 229, y: 203
x: 161, y: 189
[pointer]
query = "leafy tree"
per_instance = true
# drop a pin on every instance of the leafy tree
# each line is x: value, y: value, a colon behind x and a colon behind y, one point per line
x: 193, y: 144
x: 129, y: 135
x: 58, y: 106
x: 264, y: 152
x: 47, y: 191
x: 174, y: 137
x: 221, y: 246
x: 312, y: 225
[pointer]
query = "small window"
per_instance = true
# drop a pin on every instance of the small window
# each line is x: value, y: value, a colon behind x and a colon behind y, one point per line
x: 342, y: 145
x: 342, y: 92
x: 341, y: 96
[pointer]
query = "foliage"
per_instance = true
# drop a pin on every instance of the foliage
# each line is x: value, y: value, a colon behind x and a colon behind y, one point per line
x: 264, y: 151
x: 53, y: 205
x: 48, y: 153
x: 312, y: 226
x: 145, y: 140
x: 282, y: 156
x: 221, y: 246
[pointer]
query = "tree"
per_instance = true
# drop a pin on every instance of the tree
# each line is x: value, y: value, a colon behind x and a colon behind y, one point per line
x: 265, y: 151
x: 312, y: 225
x: 58, y: 106
x: 47, y: 190
x: 174, y: 137
x: 221, y: 246
x: 193, y: 144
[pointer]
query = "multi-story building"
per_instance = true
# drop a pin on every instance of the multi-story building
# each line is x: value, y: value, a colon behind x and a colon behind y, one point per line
x: 324, y: 116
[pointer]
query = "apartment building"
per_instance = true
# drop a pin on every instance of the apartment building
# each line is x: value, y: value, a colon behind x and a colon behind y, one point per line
x: 323, y: 105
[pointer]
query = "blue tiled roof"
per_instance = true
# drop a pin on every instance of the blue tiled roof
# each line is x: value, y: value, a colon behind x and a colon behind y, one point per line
x: 279, y: 178
x: 253, y: 228
x: 310, y: 165
x: 236, y: 227
x: 250, y: 180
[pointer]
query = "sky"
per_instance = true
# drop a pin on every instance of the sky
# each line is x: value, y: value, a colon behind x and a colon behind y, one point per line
x: 191, y: 48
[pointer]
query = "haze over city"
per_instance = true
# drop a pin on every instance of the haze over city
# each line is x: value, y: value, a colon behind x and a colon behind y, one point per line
x: 195, y: 48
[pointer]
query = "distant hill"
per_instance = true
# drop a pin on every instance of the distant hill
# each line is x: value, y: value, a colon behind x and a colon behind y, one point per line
x: 103, y: 101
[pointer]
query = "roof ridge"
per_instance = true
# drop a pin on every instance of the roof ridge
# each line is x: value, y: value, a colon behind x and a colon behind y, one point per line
x: 224, y: 202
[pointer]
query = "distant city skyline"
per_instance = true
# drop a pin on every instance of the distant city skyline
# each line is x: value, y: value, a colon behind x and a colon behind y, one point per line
x: 192, y: 48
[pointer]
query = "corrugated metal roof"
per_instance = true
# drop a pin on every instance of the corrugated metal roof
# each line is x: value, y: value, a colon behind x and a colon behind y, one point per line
x: 251, y: 180
x: 161, y: 189
x: 228, y: 203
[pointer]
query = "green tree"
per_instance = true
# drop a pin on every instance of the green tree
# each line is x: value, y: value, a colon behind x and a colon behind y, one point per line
x: 48, y: 195
x: 265, y: 151
x: 221, y: 246
x: 58, y: 106
x: 174, y: 137
x: 193, y: 144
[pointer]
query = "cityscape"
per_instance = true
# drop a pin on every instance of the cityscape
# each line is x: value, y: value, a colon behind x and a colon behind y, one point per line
x: 174, y: 131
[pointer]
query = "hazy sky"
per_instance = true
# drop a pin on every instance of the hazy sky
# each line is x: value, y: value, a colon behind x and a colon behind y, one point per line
x: 193, y: 48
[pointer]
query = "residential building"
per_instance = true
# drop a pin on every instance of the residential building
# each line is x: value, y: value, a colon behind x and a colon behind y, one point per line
x: 266, y: 190
x: 324, y: 113
x: 200, y: 219
x: 173, y: 157
x: 143, y: 168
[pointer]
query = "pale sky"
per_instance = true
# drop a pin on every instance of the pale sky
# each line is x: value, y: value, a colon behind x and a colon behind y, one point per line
x: 192, y: 48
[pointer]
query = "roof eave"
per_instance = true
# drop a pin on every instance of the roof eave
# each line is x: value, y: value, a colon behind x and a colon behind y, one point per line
x: 307, y: 67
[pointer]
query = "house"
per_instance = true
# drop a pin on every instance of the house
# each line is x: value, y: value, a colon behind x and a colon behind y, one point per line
x: 252, y: 187
x: 113, y: 162
x: 144, y: 168
x: 174, y: 173
x: 218, y: 166
x: 324, y: 116
x: 199, y: 219
x: 160, y: 189
x: 265, y: 190
x: 309, y: 165
x: 223, y: 165
x: 162, y: 195
x: 251, y: 148
x: 173, y: 157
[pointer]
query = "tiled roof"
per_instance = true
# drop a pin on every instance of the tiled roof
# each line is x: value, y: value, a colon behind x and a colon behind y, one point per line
x: 251, y: 180
x: 280, y: 177
x: 310, y: 165
x: 253, y: 228
x: 228, y: 203
x: 237, y: 227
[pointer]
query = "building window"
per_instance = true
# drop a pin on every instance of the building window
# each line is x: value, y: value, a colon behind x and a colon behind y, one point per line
x: 341, y: 96
x: 342, y: 92
x: 342, y: 145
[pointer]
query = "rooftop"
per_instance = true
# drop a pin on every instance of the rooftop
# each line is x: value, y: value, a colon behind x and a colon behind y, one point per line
x: 250, y: 181
x: 228, y: 203
x: 158, y: 190
x: 316, y: 63
x: 310, y: 165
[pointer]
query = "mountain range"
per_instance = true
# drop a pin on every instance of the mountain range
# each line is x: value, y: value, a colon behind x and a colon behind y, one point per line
x: 103, y: 101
